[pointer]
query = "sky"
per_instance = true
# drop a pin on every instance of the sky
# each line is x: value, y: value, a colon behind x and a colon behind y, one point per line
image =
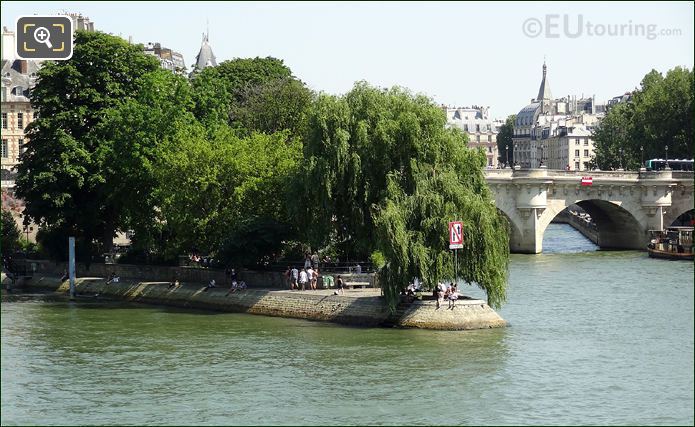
x: 457, y: 53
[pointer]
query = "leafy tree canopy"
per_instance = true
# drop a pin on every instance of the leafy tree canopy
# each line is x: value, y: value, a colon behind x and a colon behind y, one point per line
x: 384, y: 174
x: 505, y: 146
x: 659, y: 114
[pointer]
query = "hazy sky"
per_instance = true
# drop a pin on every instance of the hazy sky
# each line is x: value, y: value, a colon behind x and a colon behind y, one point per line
x: 457, y: 53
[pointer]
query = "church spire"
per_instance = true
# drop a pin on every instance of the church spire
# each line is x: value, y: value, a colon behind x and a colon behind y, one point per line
x: 205, y: 56
x: 544, y: 90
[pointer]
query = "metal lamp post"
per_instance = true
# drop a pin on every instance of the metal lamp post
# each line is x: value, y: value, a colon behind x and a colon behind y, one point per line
x: 666, y: 147
x: 541, y: 163
x: 506, y: 150
x: 641, y: 149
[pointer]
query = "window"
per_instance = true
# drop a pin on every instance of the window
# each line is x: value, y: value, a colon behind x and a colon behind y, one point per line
x: 4, y: 148
x: 20, y: 146
x: 477, y: 128
x: 586, y: 141
x: 20, y: 120
x: 465, y: 127
x: 576, y: 141
x: 586, y: 165
x: 576, y: 153
x: 489, y: 148
x: 489, y: 138
x: 576, y: 166
x: 4, y: 121
x: 586, y: 153
x: 477, y: 138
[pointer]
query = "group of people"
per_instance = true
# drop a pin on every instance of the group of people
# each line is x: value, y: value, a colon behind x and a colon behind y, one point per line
x: 308, y: 277
x: 446, y: 292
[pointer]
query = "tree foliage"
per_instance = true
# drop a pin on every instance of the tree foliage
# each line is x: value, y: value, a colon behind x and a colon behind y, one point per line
x: 251, y: 95
x: 64, y: 173
x: 220, y: 190
x: 659, y: 114
x: 385, y: 175
x: 10, y: 233
x: 505, y: 144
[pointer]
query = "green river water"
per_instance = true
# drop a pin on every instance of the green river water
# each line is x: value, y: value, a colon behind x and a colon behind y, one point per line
x: 595, y: 338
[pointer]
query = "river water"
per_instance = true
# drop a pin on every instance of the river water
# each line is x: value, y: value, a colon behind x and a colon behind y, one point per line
x: 596, y: 338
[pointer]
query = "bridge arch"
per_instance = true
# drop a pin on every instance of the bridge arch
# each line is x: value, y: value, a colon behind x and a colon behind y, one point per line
x: 685, y: 218
x: 616, y: 225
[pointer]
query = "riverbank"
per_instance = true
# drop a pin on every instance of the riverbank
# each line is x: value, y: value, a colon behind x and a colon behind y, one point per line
x: 358, y: 307
x: 579, y: 223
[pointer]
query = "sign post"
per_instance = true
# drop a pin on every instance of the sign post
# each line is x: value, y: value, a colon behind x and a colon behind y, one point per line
x: 456, y: 243
x: 71, y: 265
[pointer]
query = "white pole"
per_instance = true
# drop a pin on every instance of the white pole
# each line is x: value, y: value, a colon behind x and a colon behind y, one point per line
x: 71, y: 265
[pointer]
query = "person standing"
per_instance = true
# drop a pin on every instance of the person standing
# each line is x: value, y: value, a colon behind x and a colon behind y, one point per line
x: 315, y: 279
x: 310, y: 277
x: 227, y: 276
x: 341, y: 285
x: 303, y: 278
x: 294, y: 278
x: 287, y: 276
x: 315, y: 261
x: 307, y: 261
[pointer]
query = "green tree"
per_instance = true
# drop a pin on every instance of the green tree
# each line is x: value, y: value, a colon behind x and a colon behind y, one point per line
x: 218, y: 192
x: 272, y: 106
x: 63, y: 175
x: 505, y: 144
x: 659, y: 114
x: 10, y: 233
x: 385, y: 175
x: 133, y: 135
x: 250, y: 94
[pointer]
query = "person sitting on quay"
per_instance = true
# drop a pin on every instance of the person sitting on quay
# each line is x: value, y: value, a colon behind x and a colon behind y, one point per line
x: 212, y: 284
x: 236, y: 286
x: 112, y: 278
x: 453, y: 295
x: 175, y: 281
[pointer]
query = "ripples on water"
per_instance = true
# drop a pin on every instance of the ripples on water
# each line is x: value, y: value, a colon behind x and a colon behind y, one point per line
x: 596, y: 338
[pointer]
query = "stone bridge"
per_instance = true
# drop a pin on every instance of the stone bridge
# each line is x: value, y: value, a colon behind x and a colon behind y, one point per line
x: 624, y: 205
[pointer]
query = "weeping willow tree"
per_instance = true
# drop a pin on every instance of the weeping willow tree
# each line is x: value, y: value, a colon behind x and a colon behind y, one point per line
x: 383, y: 177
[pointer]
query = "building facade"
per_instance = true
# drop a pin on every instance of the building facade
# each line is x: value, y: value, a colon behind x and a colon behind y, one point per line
x: 481, y: 130
x: 18, y: 77
x: 168, y: 59
x: 556, y: 133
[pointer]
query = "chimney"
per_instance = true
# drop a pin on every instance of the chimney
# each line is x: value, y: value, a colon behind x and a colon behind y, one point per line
x: 23, y: 66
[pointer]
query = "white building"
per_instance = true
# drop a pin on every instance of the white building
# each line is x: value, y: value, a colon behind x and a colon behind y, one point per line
x: 556, y: 133
x: 481, y: 130
x: 168, y: 59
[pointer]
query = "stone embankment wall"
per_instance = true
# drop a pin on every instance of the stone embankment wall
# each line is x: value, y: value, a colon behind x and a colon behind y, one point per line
x: 253, y: 279
x: 587, y: 230
x: 357, y: 309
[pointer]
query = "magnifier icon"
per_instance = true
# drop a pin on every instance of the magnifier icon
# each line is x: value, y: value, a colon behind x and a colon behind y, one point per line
x: 42, y: 35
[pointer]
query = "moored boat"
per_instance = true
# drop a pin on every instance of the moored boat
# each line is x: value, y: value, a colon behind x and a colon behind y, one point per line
x: 671, y: 243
